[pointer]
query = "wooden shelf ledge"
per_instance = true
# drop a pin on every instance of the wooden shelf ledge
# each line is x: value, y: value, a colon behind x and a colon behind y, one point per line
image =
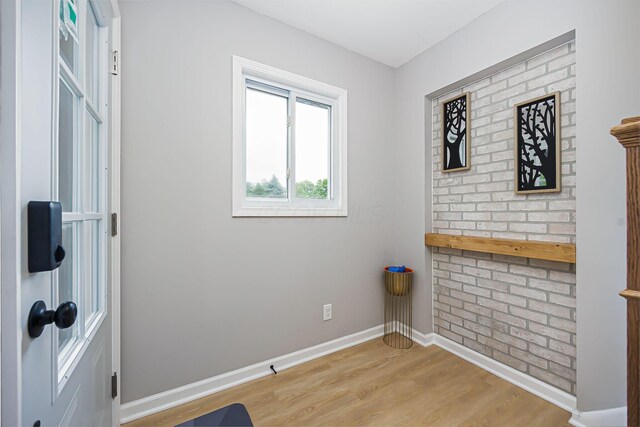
x: 550, y: 251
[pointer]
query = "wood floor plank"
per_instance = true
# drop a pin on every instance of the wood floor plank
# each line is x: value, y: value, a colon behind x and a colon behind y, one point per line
x: 373, y: 384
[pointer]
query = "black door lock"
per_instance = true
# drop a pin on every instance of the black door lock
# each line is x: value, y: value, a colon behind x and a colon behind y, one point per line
x: 39, y: 317
x: 44, y: 236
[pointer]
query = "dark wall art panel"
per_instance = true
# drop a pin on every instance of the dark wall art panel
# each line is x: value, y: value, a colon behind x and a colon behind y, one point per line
x: 456, y: 148
x: 537, y: 145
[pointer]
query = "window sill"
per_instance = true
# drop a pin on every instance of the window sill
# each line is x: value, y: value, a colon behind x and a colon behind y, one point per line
x: 289, y: 212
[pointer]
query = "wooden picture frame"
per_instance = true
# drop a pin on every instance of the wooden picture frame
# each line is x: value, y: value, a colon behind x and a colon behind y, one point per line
x: 456, y: 140
x: 537, y: 145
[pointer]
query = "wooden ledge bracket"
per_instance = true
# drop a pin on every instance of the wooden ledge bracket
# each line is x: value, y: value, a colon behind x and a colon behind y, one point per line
x: 550, y: 251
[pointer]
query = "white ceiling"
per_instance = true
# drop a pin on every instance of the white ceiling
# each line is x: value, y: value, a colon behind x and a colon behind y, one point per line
x: 389, y: 31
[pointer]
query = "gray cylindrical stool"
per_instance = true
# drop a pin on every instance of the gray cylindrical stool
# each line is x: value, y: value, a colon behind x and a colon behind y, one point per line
x: 398, y: 325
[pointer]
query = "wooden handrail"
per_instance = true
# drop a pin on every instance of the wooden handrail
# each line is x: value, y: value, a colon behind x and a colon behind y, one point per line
x: 550, y: 251
x: 628, y: 134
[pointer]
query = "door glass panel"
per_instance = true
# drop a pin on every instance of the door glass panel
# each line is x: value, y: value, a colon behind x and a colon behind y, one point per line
x: 66, y: 283
x: 313, y: 142
x: 66, y: 132
x: 68, y: 34
x: 94, y: 267
x: 93, y: 57
x: 79, y: 166
x: 68, y: 50
x: 266, y: 133
x: 93, y: 150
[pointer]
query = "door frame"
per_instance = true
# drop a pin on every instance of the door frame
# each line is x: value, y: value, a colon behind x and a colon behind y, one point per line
x: 11, y: 215
x: 10, y: 224
x: 114, y: 201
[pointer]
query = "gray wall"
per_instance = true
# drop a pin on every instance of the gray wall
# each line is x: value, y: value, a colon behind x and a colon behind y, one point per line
x: 608, y: 64
x: 204, y: 293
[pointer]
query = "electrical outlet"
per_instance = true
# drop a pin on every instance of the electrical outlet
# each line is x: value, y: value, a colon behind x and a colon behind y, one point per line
x: 326, y: 311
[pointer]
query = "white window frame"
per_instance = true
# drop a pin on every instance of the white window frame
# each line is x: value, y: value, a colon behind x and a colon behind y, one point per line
x: 298, y: 87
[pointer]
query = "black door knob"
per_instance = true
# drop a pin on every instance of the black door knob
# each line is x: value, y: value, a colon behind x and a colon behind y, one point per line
x: 39, y: 317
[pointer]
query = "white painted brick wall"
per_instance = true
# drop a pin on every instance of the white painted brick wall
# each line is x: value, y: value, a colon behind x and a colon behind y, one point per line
x: 518, y: 311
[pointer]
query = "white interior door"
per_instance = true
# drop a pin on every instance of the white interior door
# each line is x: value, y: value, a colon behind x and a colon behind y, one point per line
x: 66, y: 373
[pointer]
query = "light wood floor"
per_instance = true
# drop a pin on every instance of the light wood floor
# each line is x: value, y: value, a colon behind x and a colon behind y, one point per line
x: 373, y: 384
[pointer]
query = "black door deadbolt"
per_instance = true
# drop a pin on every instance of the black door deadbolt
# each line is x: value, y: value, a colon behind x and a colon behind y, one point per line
x: 44, y: 243
x: 39, y: 317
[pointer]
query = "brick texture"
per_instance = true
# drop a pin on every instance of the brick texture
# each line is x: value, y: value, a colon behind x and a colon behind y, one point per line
x: 518, y: 311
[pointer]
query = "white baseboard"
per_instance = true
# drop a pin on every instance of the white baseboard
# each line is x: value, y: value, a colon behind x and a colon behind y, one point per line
x: 541, y: 389
x: 606, y: 417
x: 187, y: 393
x: 171, y: 398
x: 424, y: 340
x: 609, y: 417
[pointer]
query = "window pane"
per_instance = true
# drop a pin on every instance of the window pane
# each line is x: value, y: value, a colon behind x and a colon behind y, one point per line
x: 313, y: 137
x: 66, y: 286
x: 94, y: 267
x: 66, y: 125
x: 93, y: 151
x: 93, y: 56
x: 266, y: 144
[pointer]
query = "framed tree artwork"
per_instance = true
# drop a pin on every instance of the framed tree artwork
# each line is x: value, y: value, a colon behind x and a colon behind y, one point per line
x: 456, y: 133
x: 537, y: 145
